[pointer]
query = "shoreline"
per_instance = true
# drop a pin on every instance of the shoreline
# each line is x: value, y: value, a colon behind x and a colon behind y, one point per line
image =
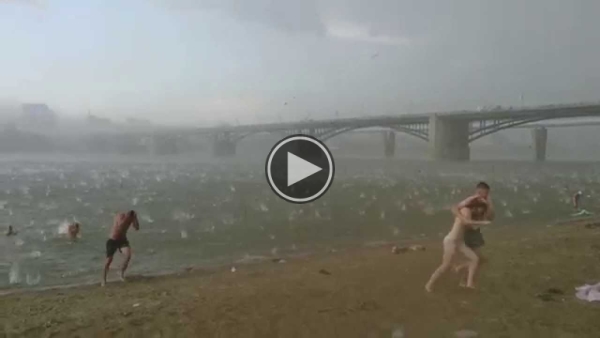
x: 358, y: 292
x: 246, y: 261
x: 264, y: 258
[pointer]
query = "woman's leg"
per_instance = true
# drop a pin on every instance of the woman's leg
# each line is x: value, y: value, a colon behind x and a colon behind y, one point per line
x: 449, y: 252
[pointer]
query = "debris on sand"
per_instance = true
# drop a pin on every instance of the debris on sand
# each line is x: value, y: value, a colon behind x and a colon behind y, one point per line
x: 403, y: 249
x: 548, y: 295
x: 324, y: 272
x: 396, y: 250
x: 555, y: 291
x: 466, y: 334
x: 592, y: 225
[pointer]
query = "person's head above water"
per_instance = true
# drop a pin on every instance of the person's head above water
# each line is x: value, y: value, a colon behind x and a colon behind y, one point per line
x: 482, y: 189
x: 131, y: 214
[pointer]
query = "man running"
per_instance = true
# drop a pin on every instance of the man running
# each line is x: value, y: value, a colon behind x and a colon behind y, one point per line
x: 118, y: 241
x: 454, y: 242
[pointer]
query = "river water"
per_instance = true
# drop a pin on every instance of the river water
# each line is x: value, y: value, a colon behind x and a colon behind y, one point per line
x: 201, y: 213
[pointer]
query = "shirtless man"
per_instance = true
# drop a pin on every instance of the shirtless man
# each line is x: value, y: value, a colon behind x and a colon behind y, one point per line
x: 118, y: 241
x: 454, y: 242
x: 73, y: 230
x: 480, y: 209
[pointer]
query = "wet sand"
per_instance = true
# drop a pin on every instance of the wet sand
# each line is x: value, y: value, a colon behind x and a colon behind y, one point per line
x: 365, y: 292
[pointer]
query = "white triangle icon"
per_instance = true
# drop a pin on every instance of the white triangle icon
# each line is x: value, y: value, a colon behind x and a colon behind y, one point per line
x: 299, y: 169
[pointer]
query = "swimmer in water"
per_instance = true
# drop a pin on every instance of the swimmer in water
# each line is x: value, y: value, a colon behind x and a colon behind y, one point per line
x: 10, y: 231
x: 73, y: 230
x: 454, y: 243
x: 482, y: 209
x: 118, y: 241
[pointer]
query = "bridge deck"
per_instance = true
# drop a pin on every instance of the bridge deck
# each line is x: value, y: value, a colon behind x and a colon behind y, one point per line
x: 546, y: 112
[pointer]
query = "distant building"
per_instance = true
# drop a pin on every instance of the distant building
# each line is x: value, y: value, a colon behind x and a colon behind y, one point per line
x: 38, y: 115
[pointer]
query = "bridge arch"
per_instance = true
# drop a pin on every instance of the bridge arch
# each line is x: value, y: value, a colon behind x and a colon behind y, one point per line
x: 325, y: 134
x: 419, y: 133
x: 241, y: 136
x: 503, y: 125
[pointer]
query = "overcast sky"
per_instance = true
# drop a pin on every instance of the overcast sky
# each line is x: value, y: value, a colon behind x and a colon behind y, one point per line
x: 210, y: 61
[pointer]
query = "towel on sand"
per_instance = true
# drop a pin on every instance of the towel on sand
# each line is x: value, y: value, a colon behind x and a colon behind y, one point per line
x: 590, y: 293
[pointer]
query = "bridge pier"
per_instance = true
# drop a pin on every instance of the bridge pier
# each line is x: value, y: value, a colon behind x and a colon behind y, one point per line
x: 540, y: 138
x: 449, y: 139
x: 389, y: 143
x: 223, y: 145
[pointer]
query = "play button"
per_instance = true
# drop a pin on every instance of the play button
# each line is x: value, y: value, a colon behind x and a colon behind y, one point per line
x: 299, y: 169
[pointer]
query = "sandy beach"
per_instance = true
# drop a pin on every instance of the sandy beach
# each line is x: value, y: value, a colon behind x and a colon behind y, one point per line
x: 363, y: 292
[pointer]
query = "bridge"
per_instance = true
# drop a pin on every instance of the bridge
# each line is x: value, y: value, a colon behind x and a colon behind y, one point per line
x: 448, y: 133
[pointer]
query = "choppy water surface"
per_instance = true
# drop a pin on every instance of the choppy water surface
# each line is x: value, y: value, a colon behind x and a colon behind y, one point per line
x: 195, y: 214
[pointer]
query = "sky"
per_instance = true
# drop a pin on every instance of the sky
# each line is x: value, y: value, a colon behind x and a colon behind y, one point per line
x: 205, y: 62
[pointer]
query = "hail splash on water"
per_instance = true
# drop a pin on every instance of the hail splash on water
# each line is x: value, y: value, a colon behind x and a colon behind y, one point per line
x: 33, y: 279
x: 293, y: 215
x: 14, y: 276
x: 182, y: 216
x: 228, y: 219
x: 146, y: 219
x: 48, y: 206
